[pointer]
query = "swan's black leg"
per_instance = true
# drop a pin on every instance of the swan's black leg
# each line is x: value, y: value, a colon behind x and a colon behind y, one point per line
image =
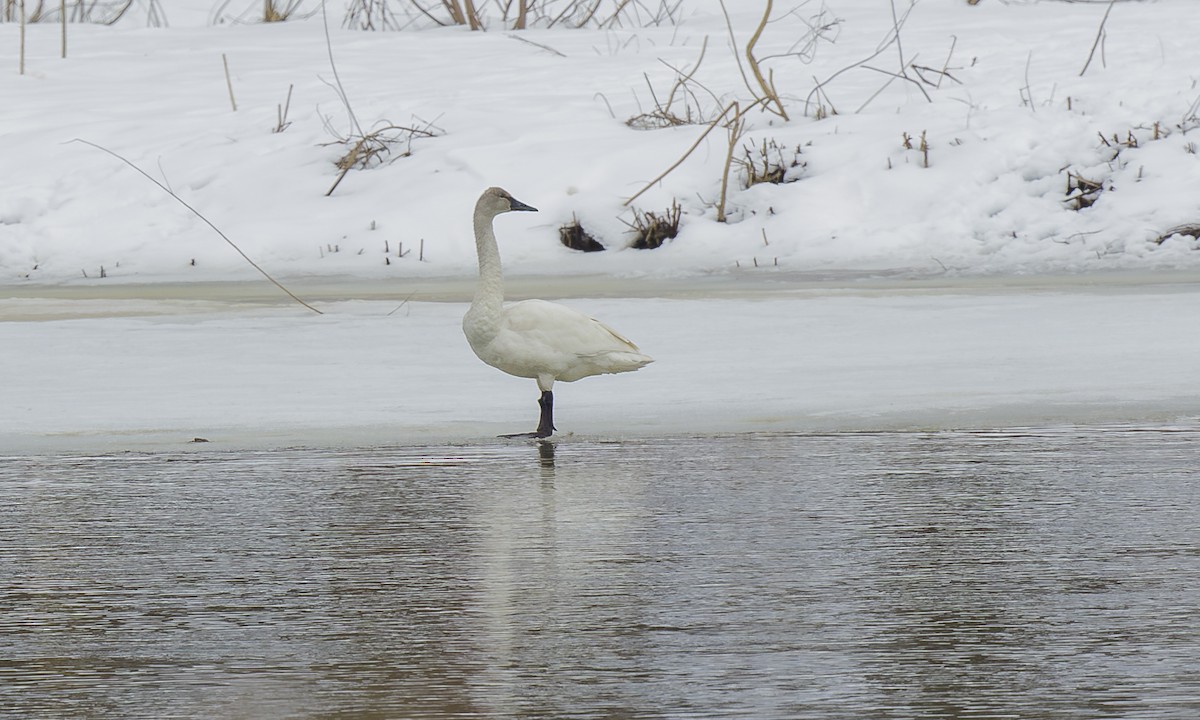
x: 545, y: 421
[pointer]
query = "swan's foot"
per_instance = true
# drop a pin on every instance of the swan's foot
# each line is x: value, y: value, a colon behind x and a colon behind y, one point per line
x: 536, y: 435
x: 545, y: 422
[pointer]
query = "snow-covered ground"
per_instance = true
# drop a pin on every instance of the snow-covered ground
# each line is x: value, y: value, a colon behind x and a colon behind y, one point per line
x: 872, y: 292
x: 1005, y: 128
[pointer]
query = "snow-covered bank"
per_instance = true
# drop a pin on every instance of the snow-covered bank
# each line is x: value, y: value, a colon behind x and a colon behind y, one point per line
x: 1006, y: 115
x: 155, y: 373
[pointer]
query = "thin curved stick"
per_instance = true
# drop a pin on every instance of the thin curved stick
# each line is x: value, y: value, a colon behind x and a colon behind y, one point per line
x: 685, y: 78
x: 733, y: 43
x: 711, y: 126
x: 196, y: 212
x: 735, y: 127
x: 1099, y: 36
x: 767, y: 84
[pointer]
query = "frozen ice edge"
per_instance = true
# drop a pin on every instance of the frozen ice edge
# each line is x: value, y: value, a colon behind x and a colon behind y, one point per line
x: 745, y: 284
x: 112, y: 367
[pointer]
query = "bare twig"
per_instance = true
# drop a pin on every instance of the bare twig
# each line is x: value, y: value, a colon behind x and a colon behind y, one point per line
x: 428, y: 14
x: 897, y: 23
x: 606, y: 103
x: 663, y: 115
x: 685, y: 78
x: 766, y: 95
x: 282, y: 112
x: 822, y: 99
x: 767, y: 84
x: 892, y: 38
x: 1191, y: 118
x: 946, y: 65
x: 1029, y: 90
x: 711, y: 126
x: 21, y: 62
x: 472, y: 16
x: 547, y: 48
x: 341, y: 91
x: 587, y: 18
x: 402, y: 304
x: 736, y: 128
x: 229, y: 81
x: 819, y: 87
x: 1099, y: 35
x: 197, y: 213
x: 820, y: 27
x: 733, y: 44
x: 895, y: 76
x: 896, y: 30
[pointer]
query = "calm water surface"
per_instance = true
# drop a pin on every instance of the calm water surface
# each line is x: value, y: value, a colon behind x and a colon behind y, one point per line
x: 1032, y: 574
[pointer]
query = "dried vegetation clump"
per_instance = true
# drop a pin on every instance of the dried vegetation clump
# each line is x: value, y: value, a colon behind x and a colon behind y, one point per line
x: 769, y: 162
x: 575, y: 237
x: 680, y: 106
x: 99, y: 12
x: 384, y: 143
x: 1191, y: 230
x: 651, y: 229
x: 512, y: 14
x: 1081, y: 192
x: 268, y: 11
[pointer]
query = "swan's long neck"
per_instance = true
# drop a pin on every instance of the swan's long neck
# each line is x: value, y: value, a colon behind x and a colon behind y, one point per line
x: 489, y: 294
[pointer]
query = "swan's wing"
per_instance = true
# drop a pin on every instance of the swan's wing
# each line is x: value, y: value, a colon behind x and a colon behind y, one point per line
x: 618, y: 336
x: 565, y: 329
x: 548, y: 341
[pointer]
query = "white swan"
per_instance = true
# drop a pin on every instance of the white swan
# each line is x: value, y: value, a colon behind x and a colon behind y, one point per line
x: 534, y: 338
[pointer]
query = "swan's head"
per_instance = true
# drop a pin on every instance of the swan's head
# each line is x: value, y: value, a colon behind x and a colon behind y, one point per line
x: 496, y: 200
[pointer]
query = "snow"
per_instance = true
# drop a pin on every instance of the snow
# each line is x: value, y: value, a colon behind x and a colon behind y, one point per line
x: 871, y: 293
x: 146, y: 373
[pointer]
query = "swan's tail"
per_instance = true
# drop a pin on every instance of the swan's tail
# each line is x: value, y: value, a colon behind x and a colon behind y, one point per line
x: 618, y: 362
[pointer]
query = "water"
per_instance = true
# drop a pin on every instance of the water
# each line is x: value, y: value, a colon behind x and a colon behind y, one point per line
x: 1033, y: 574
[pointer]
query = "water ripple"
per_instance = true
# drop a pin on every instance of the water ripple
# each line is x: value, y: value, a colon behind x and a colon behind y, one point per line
x: 1021, y: 573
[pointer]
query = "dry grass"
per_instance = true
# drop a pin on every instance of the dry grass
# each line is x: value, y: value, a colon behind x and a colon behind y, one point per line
x: 100, y: 12
x: 1130, y: 140
x: 922, y: 146
x: 253, y: 11
x: 279, y: 10
x: 514, y: 14
x: 664, y: 117
x: 1082, y: 192
x: 383, y: 144
x: 769, y: 162
x: 681, y: 105
x: 575, y: 237
x: 1191, y: 230
x: 652, y: 229
x: 281, y: 113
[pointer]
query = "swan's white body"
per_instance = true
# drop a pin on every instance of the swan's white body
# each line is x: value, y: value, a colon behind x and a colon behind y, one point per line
x: 548, y: 342
x: 534, y: 338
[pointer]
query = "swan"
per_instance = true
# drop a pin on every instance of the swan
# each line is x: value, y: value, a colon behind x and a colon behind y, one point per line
x: 534, y: 338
